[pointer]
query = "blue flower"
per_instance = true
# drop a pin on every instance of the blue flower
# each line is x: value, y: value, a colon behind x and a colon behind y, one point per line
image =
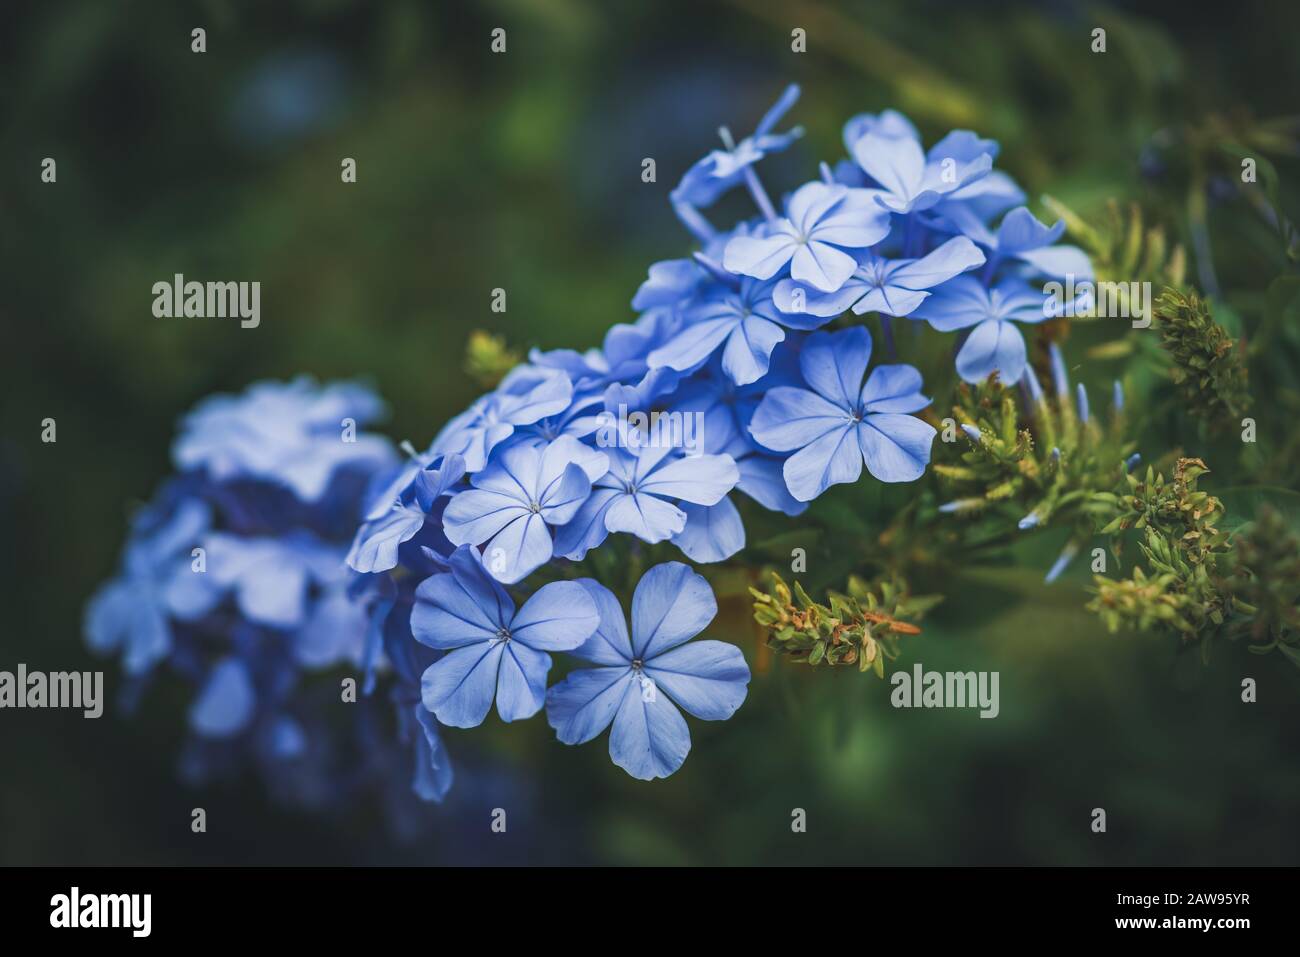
x: 842, y: 422
x: 271, y: 579
x: 911, y: 181
x: 994, y: 344
x: 892, y: 287
x: 134, y: 613
x: 742, y: 321
x: 525, y: 395
x: 638, y: 679
x: 821, y: 221
x: 638, y: 493
x: 408, y: 509
x: 493, y: 650
x: 526, y: 489
x: 724, y: 169
x: 294, y: 434
x: 1021, y: 237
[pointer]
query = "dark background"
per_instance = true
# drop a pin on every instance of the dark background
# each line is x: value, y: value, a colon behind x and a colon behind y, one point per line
x: 522, y: 171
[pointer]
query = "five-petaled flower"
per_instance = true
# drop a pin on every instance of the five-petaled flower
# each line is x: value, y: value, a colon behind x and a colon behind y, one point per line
x: 821, y: 221
x: 492, y: 649
x: 637, y: 676
x: 994, y: 344
x: 841, y: 422
x: 515, y: 499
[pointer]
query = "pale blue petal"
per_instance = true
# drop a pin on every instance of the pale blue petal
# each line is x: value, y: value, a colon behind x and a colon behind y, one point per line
x: 891, y: 300
x: 833, y: 363
x: 693, y: 344
x: 954, y: 257
x: 520, y: 548
x: 609, y: 644
x: 713, y: 533
x: 790, y: 418
x: 521, y: 681
x: 832, y: 459
x: 649, y: 518
x: 707, y: 678
x: 701, y: 479
x: 650, y: 738
x: 559, y: 616
x: 461, y: 606
x: 760, y: 258
x: 993, y: 346
x: 896, y: 447
x: 561, y: 500
x: 893, y: 388
x: 957, y: 304
x: 476, y: 514
x: 375, y: 547
x: 459, y: 686
x: 749, y: 346
x: 587, y: 528
x: 797, y: 299
x: 226, y: 704
x: 896, y: 163
x: 762, y: 480
x: 583, y: 705
x: 821, y: 265
x: 672, y: 604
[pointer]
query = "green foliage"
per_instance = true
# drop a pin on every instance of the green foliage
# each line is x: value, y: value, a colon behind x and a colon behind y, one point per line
x: 1052, y: 466
x: 1199, y: 582
x: 863, y: 627
x: 1124, y: 248
x: 1208, y: 368
x: 1265, y: 584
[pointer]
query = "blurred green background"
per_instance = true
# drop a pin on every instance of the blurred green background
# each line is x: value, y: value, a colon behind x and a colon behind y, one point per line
x: 522, y: 171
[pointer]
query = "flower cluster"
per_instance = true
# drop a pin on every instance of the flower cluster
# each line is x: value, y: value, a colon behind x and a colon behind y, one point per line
x: 725, y: 383
x: 233, y: 575
x: 747, y: 370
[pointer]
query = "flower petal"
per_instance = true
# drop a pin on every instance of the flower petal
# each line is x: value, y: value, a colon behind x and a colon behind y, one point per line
x: 896, y: 447
x: 713, y: 533
x: 559, y: 616
x: 832, y: 459
x: 951, y: 259
x: 993, y: 346
x: 650, y: 738
x: 896, y: 163
x: 648, y: 518
x: 708, y: 678
x: 702, y: 479
x: 583, y: 705
x: 226, y: 703
x: 461, y: 606
x: 459, y: 686
x: 821, y: 265
x: 790, y: 418
x: 587, y: 528
x: 834, y: 363
x: 760, y: 258
x: 609, y: 643
x: 671, y: 605
x: 893, y: 388
x: 521, y: 681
